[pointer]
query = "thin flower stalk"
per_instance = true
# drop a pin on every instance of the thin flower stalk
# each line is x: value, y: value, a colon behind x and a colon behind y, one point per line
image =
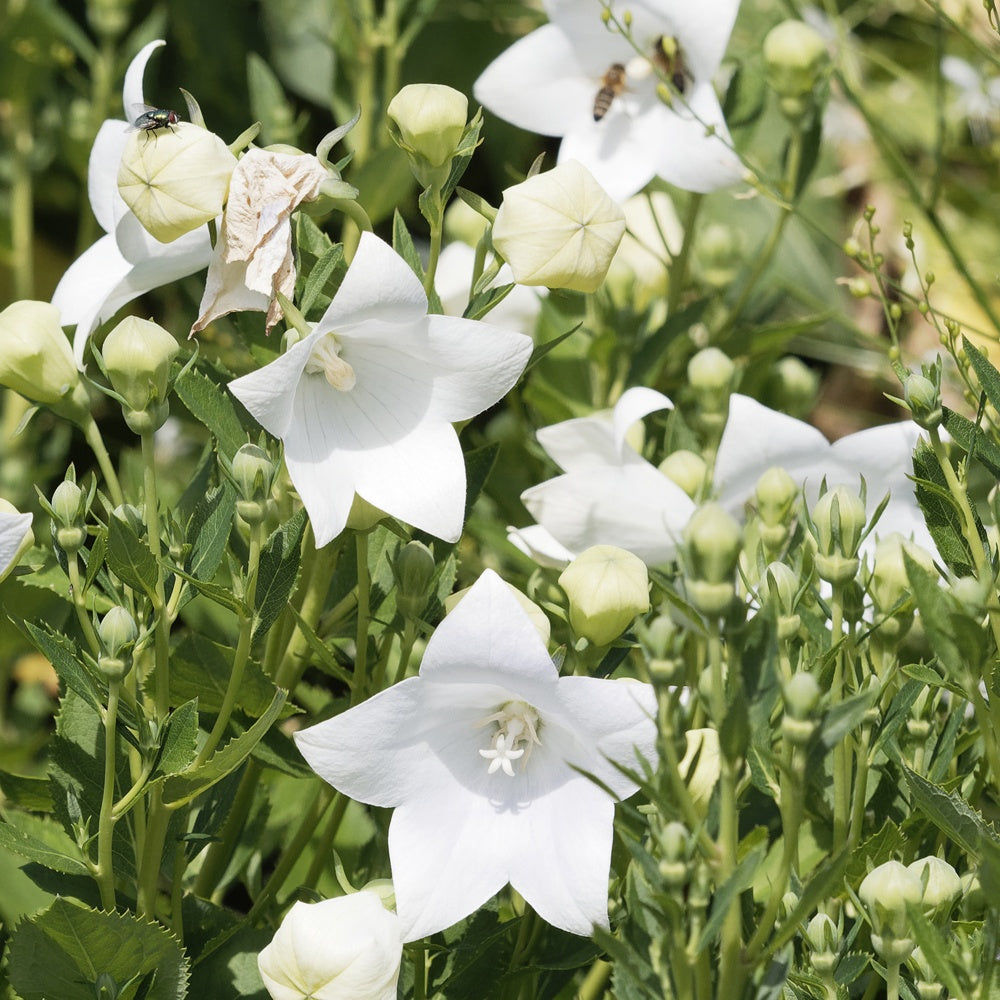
x: 105, y: 873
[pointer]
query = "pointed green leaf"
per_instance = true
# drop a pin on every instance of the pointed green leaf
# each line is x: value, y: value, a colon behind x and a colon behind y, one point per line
x: 319, y: 275
x: 988, y: 376
x: 129, y: 557
x: 279, y: 569
x: 213, y: 406
x: 208, y: 531
x: 973, y: 441
x: 60, y: 651
x: 179, y: 746
x: 65, y: 858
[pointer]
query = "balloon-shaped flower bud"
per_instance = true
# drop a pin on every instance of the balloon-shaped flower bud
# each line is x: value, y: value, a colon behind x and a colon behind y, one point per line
x: 824, y: 939
x: 889, y: 583
x: 710, y: 373
x: 941, y: 884
x: 775, y: 496
x: 118, y: 633
x: 414, y: 570
x: 793, y: 386
x: 839, y: 519
x: 886, y: 891
x: 36, y: 359
x: 719, y: 254
x: 560, y: 229
x: 175, y: 179
x: 802, y: 695
x: 16, y: 537
x: 923, y: 397
x: 253, y: 472
x: 607, y: 587
x: 794, y: 55
x: 69, y: 513
x: 701, y: 766
x: 348, y: 948
x: 713, y: 539
x: 783, y: 585
x: 687, y: 469
x: 137, y: 356
x: 427, y: 121
x: 673, y: 865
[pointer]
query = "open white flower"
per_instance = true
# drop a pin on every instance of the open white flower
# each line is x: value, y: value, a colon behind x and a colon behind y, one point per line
x: 549, y: 81
x: 348, y: 948
x: 757, y: 438
x: 15, y: 536
x: 253, y: 259
x: 479, y: 756
x: 365, y: 403
x: 609, y: 495
x: 127, y: 261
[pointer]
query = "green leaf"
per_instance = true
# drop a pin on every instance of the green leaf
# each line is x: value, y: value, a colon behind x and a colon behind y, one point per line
x: 737, y: 883
x: 179, y: 745
x: 937, y: 952
x: 950, y: 813
x: 319, y: 275
x: 734, y: 733
x: 181, y: 788
x: 987, y: 375
x: 402, y: 243
x: 129, y: 557
x: 278, y: 571
x: 61, y: 653
x: 200, y: 670
x: 972, y: 440
x: 21, y: 792
x: 213, y: 406
x: 63, y: 951
x: 95, y: 561
x: 478, y: 465
x: 845, y: 717
x: 208, y: 531
x: 223, y: 596
x: 64, y: 858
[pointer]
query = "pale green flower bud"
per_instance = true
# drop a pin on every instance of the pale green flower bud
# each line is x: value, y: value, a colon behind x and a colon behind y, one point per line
x: 885, y: 892
x: 69, y: 509
x: 713, y: 539
x: 253, y: 472
x: 794, y: 54
x: 414, y: 570
x: 701, y: 766
x: 924, y: 976
x: 175, y: 179
x: 137, y: 355
x: 801, y: 695
x: 687, y: 469
x: 824, y: 939
x: 889, y: 582
x: 923, y: 398
x: 118, y: 633
x: 719, y: 253
x: 794, y: 385
x: 607, y: 587
x: 710, y: 373
x: 560, y: 229
x: 430, y: 120
x: 36, y: 359
x: 783, y: 588
x: 775, y: 496
x: 941, y: 886
x: 839, y: 518
x: 673, y: 866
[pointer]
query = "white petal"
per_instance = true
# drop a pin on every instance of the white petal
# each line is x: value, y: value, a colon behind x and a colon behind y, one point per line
x: 634, y: 507
x: 13, y: 528
x: 132, y: 90
x: 508, y: 648
x: 702, y: 29
x: 757, y: 438
x: 102, y: 173
x: 581, y: 443
x: 538, y: 543
x: 379, y: 285
x: 635, y: 404
x: 562, y: 855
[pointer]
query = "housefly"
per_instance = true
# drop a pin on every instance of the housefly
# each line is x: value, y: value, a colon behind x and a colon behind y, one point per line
x: 156, y: 118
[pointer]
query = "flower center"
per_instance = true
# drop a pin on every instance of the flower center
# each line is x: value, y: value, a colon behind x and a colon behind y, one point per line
x: 325, y: 360
x: 515, y: 735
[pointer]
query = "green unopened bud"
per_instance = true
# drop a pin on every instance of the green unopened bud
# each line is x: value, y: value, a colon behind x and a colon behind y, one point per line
x: 713, y: 540
x: 69, y: 509
x: 36, y: 359
x: 710, y: 373
x: 889, y: 583
x: 657, y: 635
x: 802, y: 694
x: 824, y: 939
x: 783, y: 589
x: 606, y: 587
x: 839, y: 518
x: 923, y: 398
x: 794, y: 54
x: 719, y: 253
x: 137, y: 356
x: 793, y: 386
x: 885, y: 892
x: 363, y: 516
x: 687, y: 469
x: 414, y: 570
x: 775, y: 496
x: 118, y: 633
x: 429, y: 121
x: 673, y: 865
x: 701, y: 766
x: 253, y: 471
x: 941, y: 886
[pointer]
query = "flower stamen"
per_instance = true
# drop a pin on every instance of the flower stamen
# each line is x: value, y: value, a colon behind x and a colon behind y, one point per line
x: 515, y: 736
x: 325, y: 360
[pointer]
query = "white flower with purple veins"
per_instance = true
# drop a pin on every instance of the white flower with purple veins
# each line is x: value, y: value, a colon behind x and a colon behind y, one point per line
x: 481, y: 757
x: 127, y: 261
x: 609, y: 495
x: 757, y: 438
x: 606, y: 97
x: 365, y: 403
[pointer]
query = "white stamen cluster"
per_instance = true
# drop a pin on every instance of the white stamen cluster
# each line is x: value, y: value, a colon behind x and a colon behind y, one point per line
x: 515, y: 736
x: 325, y: 360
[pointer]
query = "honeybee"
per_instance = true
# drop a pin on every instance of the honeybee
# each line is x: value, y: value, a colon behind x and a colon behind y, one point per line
x: 612, y: 84
x: 669, y: 59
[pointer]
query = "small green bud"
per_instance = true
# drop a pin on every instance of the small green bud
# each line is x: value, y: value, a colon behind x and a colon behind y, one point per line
x: 118, y: 633
x: 657, y: 636
x: 414, y: 570
x: 687, y: 469
x: 839, y: 519
x: 673, y: 866
x: 719, y: 253
x: 69, y: 507
x: 802, y: 695
x: 941, y: 886
x: 775, y: 496
x: 713, y: 538
x: 710, y: 373
x: 885, y: 892
x: 923, y: 398
x: 253, y: 472
x: 822, y: 934
x: 794, y: 54
x: 607, y: 587
x: 427, y: 122
x: 794, y: 386
x: 889, y: 583
x: 137, y: 355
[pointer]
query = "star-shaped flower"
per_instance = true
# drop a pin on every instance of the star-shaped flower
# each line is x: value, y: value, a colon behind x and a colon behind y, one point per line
x: 365, y: 403
x: 463, y: 824
x: 127, y: 261
x: 609, y: 495
x: 757, y: 438
x: 550, y: 82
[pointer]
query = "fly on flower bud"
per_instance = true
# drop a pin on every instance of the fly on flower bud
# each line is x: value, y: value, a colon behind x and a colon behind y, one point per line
x: 156, y: 118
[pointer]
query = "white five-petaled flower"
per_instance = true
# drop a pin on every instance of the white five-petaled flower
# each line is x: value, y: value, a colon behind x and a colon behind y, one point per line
x: 610, y: 495
x: 465, y: 825
x: 365, y: 403
x: 548, y: 82
x: 127, y: 261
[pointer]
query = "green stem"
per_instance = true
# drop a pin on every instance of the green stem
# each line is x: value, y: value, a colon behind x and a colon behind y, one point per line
x: 594, y: 982
x: 435, y: 219
x: 679, y: 265
x: 22, y: 227
x: 406, y: 650
x: 80, y: 605
x: 242, y: 654
x: 841, y: 757
x: 152, y: 855
x: 106, y: 822
x: 324, y: 849
x: 360, y: 685
x: 860, y: 789
x: 92, y: 434
x: 892, y: 981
